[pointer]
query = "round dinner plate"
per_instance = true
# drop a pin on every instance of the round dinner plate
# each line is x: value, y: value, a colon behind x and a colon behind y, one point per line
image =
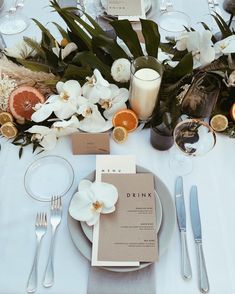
x: 164, y: 235
x: 88, y: 230
x: 48, y: 176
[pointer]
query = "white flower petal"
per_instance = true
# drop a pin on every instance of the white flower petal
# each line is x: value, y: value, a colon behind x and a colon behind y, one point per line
x: 79, y: 207
x: 72, y: 87
x: 42, y: 130
x: 121, y: 70
x: 43, y: 112
x: 109, y: 113
x: 49, y: 141
x: 69, y: 48
x: 108, y: 210
x: 66, y: 110
x: 59, y: 87
x: 84, y: 184
x: 99, y: 79
x: 93, y: 220
x: 105, y: 193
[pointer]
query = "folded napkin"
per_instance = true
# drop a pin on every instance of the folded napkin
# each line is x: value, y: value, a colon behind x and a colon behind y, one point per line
x: 138, y: 282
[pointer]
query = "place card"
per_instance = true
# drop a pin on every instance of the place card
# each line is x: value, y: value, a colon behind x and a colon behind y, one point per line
x: 124, y: 7
x: 87, y: 143
x: 129, y: 233
x: 113, y: 164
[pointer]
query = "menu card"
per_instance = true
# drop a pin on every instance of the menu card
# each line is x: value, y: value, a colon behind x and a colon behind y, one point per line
x: 113, y: 164
x: 124, y: 7
x: 129, y: 233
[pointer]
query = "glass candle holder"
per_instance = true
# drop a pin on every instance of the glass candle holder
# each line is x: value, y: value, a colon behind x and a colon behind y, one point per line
x: 202, y: 95
x: 146, y: 76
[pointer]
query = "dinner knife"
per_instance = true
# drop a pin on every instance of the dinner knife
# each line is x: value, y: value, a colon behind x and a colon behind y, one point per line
x: 181, y: 218
x: 196, y: 226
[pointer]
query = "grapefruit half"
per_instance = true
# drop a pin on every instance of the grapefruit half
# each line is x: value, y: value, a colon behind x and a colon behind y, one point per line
x: 22, y: 101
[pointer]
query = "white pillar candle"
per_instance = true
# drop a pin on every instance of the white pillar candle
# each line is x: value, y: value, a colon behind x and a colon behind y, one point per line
x: 144, y: 91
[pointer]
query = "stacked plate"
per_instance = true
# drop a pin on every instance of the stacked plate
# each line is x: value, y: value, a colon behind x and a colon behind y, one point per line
x: 81, y: 234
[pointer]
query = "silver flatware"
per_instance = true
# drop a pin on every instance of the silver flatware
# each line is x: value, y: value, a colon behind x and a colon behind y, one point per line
x: 196, y: 226
x: 40, y: 230
x: 55, y: 219
x: 186, y: 270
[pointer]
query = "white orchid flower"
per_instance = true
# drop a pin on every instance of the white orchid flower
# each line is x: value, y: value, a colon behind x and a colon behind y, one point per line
x: 96, y: 87
x: 44, y: 135
x: 121, y: 70
x: 93, y: 121
x: 225, y: 46
x: 20, y: 50
x: 199, y: 44
x: 91, y: 200
x: 64, y: 105
x: 66, y: 127
x: 115, y: 103
x: 64, y: 52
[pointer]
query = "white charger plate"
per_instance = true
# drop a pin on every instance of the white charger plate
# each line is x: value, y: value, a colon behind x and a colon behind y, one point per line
x: 88, y: 230
x: 165, y: 233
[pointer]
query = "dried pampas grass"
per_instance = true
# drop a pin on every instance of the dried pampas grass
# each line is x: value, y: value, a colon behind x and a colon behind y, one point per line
x: 27, y: 77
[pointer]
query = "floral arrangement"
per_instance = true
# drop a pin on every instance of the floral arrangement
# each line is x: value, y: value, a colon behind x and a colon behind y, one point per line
x: 51, y: 89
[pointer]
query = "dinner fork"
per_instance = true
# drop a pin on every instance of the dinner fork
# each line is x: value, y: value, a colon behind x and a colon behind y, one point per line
x: 40, y: 230
x: 55, y: 219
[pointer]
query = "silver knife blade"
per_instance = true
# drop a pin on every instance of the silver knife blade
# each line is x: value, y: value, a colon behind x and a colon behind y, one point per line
x: 195, y: 215
x: 179, y: 203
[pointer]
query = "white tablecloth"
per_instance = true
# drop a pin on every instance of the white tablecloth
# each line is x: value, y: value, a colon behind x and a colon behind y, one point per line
x: 213, y: 174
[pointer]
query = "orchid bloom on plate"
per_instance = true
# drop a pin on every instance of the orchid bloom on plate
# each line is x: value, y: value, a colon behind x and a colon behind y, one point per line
x: 91, y: 200
x: 64, y: 52
x: 225, y: 46
x: 64, y: 104
x: 93, y: 121
x: 96, y: 87
x: 20, y: 50
x: 116, y: 102
x: 199, y: 44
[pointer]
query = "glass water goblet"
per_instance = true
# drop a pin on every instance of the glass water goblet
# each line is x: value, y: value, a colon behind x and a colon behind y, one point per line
x: 14, y: 22
x: 172, y: 24
x: 192, y: 137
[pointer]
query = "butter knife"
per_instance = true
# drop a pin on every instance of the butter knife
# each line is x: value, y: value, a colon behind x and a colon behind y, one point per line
x: 196, y: 226
x: 181, y: 218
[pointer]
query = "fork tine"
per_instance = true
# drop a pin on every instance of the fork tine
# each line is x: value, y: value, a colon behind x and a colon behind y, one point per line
x: 60, y: 204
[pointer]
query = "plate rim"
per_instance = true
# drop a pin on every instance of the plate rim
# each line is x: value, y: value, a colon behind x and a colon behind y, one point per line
x: 71, y: 223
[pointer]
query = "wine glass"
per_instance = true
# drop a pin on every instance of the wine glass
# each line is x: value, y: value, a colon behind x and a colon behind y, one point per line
x: 192, y: 137
x: 172, y: 23
x: 14, y: 22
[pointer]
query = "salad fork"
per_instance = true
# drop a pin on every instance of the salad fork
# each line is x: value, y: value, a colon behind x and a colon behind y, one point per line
x: 40, y: 230
x: 55, y: 219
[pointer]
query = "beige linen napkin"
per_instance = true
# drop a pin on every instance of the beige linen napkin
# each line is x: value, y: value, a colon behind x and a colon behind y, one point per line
x: 138, y: 282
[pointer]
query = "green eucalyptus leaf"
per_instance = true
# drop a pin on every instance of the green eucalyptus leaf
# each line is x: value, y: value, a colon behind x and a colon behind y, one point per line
x: 151, y: 36
x: 34, y: 65
x: 89, y: 59
x: 49, y: 39
x: 129, y: 36
x: 109, y: 46
x: 77, y: 73
x: 63, y: 33
x: 184, y: 67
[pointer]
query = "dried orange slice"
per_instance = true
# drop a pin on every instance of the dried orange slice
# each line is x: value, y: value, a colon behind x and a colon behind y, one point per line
x: 5, y: 117
x: 126, y: 118
x: 219, y: 122
x: 8, y: 130
x: 232, y: 112
x: 119, y: 134
x: 22, y: 102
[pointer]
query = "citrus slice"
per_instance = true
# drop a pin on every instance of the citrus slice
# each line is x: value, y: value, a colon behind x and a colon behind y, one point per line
x: 22, y: 102
x: 5, y: 117
x: 126, y: 118
x: 232, y: 112
x: 219, y: 122
x: 119, y: 134
x: 8, y: 130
